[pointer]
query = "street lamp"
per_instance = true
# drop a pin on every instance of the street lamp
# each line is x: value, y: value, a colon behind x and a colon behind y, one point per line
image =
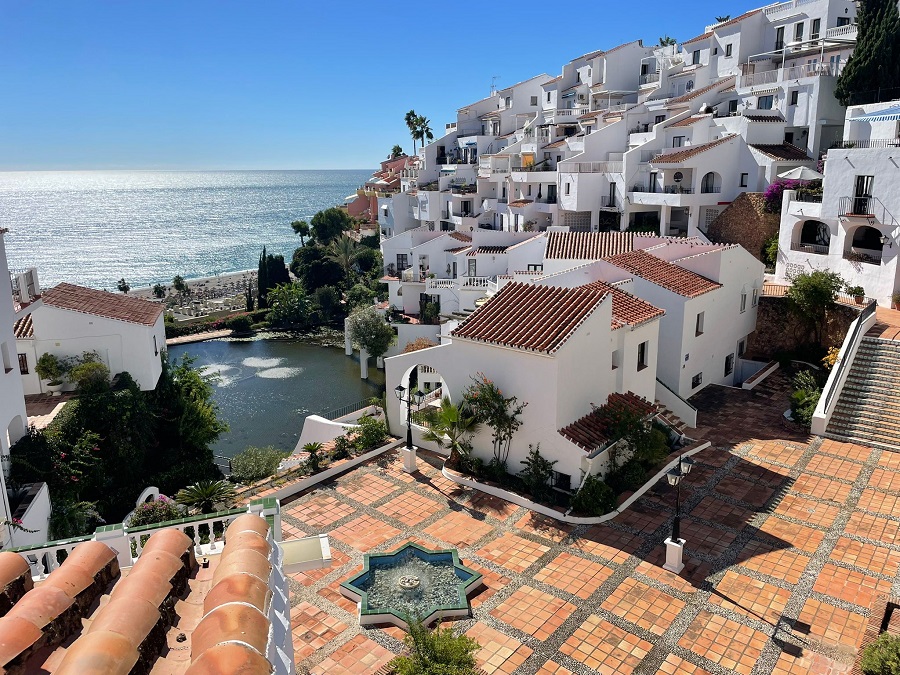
x: 416, y: 396
x: 675, y: 544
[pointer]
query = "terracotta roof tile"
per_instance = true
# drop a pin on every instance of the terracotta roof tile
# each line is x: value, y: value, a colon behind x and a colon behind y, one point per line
x: 587, y: 245
x: 765, y: 118
x: 239, y: 588
x: 782, y: 151
x: 533, y: 318
x: 23, y: 328
x: 100, y: 652
x: 487, y: 250
x: 664, y: 274
x: 459, y: 236
x: 688, y: 121
x: 101, y: 303
x: 458, y: 249
x: 723, y: 25
x: 690, y: 151
x: 691, y: 95
x: 627, y: 310
x: 557, y: 144
x: 228, y: 623
x: 594, y: 429
x: 230, y: 658
x: 698, y: 38
x: 555, y: 79
x: 521, y: 202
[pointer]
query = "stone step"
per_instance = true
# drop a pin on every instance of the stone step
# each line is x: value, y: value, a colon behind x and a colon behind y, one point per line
x: 886, y: 390
x: 872, y: 444
x: 867, y: 407
x: 855, y: 420
x: 865, y: 436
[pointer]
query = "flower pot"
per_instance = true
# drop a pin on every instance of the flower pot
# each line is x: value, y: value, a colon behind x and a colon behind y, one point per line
x: 859, y: 299
x: 54, y: 389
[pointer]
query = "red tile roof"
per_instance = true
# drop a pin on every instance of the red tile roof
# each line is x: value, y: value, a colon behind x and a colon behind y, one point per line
x: 102, y: 303
x: 664, y: 274
x: 723, y: 25
x: 690, y: 151
x: 555, y: 79
x: 782, y: 151
x: 521, y: 202
x: 688, y: 121
x: 458, y: 249
x: 459, y: 236
x: 593, y: 431
x: 529, y: 317
x: 691, y: 95
x: 557, y: 144
x: 765, y: 118
x: 587, y: 245
x: 487, y: 250
x: 24, y: 328
x: 627, y: 310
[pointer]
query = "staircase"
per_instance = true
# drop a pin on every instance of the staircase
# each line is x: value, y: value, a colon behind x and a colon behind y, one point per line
x: 868, y: 409
x: 670, y: 419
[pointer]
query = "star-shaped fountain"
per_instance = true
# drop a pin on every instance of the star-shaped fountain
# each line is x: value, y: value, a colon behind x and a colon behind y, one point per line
x: 411, y: 582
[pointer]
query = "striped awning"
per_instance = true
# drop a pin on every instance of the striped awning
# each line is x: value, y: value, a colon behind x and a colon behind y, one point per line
x: 887, y: 115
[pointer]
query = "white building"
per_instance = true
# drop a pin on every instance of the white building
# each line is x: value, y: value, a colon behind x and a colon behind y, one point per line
x: 13, y: 418
x: 852, y: 228
x: 128, y: 333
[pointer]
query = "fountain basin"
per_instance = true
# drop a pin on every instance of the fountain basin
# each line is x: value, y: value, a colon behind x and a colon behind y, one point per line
x: 411, y: 581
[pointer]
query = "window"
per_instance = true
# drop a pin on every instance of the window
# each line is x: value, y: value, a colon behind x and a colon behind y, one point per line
x: 562, y: 481
x: 678, y: 141
x: 535, y: 267
x: 729, y: 365
x: 578, y: 76
x: 696, y: 380
x: 732, y: 105
x: 509, y: 101
x: 155, y: 347
x: 743, y: 301
x: 696, y: 58
x: 642, y: 355
x: 548, y: 97
x: 23, y: 362
x: 789, y: 137
x: 659, y: 118
x: 699, y: 326
x: 567, y: 188
x: 744, y: 177
x: 754, y: 299
x: 529, y: 190
x: 795, y: 96
x: 798, y: 31
x: 779, y: 37
x: 814, y: 29
x: 715, y: 50
x: 534, y: 100
x: 843, y: 21
x: 742, y: 347
x: 765, y: 102
x: 402, y: 262
x: 727, y: 50
x: 4, y: 352
x: 615, y: 359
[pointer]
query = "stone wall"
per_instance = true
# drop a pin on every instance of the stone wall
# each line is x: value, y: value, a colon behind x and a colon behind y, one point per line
x: 744, y: 222
x: 779, y: 330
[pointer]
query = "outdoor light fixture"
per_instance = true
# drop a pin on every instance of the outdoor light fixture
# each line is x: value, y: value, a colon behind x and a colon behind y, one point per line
x: 674, y: 476
x: 416, y: 396
x: 884, y: 240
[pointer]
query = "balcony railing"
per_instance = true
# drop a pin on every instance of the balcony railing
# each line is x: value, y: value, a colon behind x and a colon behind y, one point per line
x: 678, y: 190
x: 591, y: 167
x: 794, y: 73
x: 808, y: 197
x: 764, y: 77
x: 786, y: 6
x: 866, y: 144
x: 817, y: 249
x: 434, y: 284
x: 710, y: 190
x: 866, y: 207
x: 649, y: 78
x: 863, y: 256
x: 849, y: 32
x: 478, y: 282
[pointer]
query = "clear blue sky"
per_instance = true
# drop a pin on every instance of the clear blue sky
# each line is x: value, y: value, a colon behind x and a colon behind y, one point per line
x: 301, y: 84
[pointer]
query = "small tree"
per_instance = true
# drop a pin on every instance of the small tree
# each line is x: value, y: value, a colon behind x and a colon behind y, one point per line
x: 594, y: 498
x: 123, y: 286
x: 537, y: 473
x: 301, y: 228
x: 881, y: 657
x: 812, y: 294
x: 437, y: 652
x: 290, y: 308
x: 180, y: 286
x: 360, y: 296
x: 874, y: 65
x: 417, y: 344
x: 328, y: 225
x: 160, y: 510
x: 313, y: 461
x: 159, y: 291
x: 770, y: 251
x: 254, y: 464
x: 206, y: 496
x: 240, y: 324
x: 452, y: 426
x: 370, y: 332
x: 396, y: 152
x: 666, y: 41
x: 502, y: 414
x: 343, y: 251
x: 90, y: 377
x: 50, y: 367
x: 723, y: 19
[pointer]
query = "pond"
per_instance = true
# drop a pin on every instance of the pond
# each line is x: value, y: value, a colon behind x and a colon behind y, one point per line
x: 266, y: 387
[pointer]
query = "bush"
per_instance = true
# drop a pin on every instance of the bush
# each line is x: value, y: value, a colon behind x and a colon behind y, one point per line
x: 537, y: 473
x: 770, y: 251
x: 595, y: 497
x: 805, y: 397
x: 882, y: 657
x: 628, y: 477
x: 370, y: 434
x: 240, y: 323
x: 342, y: 447
x: 90, y: 376
x: 437, y: 652
x: 254, y: 464
x: 50, y: 367
x: 160, y: 510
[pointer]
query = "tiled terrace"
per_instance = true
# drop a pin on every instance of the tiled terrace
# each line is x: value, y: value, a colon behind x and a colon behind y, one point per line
x: 788, y: 542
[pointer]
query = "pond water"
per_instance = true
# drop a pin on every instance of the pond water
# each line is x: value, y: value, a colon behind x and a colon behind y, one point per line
x: 266, y: 387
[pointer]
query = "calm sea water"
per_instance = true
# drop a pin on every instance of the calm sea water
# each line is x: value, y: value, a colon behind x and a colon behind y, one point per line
x: 95, y: 227
x: 265, y: 388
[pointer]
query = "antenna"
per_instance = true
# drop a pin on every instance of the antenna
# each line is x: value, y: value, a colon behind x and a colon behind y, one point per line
x: 494, y: 86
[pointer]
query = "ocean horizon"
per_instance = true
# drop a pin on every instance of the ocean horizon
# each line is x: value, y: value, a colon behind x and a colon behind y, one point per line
x: 93, y: 227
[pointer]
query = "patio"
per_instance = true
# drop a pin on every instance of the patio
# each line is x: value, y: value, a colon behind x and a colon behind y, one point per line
x: 788, y: 544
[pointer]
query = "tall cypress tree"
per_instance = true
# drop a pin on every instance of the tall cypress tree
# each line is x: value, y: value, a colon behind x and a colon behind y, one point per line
x: 875, y: 64
x: 262, y: 281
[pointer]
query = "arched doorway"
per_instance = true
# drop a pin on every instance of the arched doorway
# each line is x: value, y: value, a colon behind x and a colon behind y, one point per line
x: 815, y: 236
x: 865, y: 245
x: 425, y: 380
x: 711, y: 183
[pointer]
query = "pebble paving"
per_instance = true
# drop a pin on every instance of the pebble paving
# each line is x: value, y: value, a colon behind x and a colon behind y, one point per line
x: 766, y: 588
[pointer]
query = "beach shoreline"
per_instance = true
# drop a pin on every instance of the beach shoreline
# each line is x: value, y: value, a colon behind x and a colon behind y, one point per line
x: 210, y: 283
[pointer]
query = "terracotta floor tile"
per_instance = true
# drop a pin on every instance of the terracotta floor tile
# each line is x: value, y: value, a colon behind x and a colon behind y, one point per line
x: 821, y: 488
x: 730, y: 644
x: 359, y: 656
x: 832, y: 467
x: 872, y: 527
x: 790, y: 534
x: 313, y: 629
x: 829, y: 624
x: 675, y: 665
x: 411, y: 508
x: 767, y: 557
x: 499, y: 653
x: 811, y: 511
x: 644, y: 606
x: 458, y: 529
x: 365, y: 533
x: 367, y: 488
x: 751, y: 597
x: 600, y: 645
x: 513, y: 552
x: 808, y: 662
x: 575, y: 575
x: 553, y: 668
x: 320, y: 512
x: 879, y: 502
x: 850, y: 585
x: 874, y: 558
x: 534, y: 612
x: 542, y: 526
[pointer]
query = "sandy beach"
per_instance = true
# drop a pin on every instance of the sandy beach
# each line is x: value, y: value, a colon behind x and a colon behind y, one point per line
x: 214, y: 286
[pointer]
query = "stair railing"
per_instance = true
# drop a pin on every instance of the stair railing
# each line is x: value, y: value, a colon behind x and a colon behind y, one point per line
x: 838, y: 376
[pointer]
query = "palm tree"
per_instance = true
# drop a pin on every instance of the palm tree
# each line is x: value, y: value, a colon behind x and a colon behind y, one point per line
x: 666, y: 41
x: 451, y: 425
x: 343, y: 251
x: 396, y: 152
x: 206, y: 496
x: 411, y: 120
x: 723, y: 19
x: 313, y: 461
x: 423, y: 130
x: 301, y: 227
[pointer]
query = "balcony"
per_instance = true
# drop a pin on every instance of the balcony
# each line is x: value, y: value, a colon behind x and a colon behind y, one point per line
x: 867, y: 144
x: 467, y: 189
x: 848, y: 32
x: 795, y: 73
x: 816, y: 249
x: 649, y: 78
x: 591, y: 167
x: 867, y: 256
x: 679, y: 190
x: 609, y: 203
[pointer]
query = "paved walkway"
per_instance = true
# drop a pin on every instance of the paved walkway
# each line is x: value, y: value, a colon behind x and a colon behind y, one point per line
x: 198, y: 337
x: 787, y: 544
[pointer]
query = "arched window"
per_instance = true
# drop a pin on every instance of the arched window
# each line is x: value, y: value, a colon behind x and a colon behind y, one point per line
x: 816, y: 233
x: 711, y: 183
x: 868, y: 238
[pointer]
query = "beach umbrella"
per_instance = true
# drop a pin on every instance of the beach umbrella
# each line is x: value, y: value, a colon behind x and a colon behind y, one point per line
x: 801, y: 173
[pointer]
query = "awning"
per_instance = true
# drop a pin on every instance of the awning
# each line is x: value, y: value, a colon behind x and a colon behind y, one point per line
x: 569, y: 95
x: 887, y: 115
x: 350, y: 198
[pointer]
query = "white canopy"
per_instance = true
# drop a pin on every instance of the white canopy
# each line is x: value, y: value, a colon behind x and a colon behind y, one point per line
x: 887, y: 115
x: 801, y: 173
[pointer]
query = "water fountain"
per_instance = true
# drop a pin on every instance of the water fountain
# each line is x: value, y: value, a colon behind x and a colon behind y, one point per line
x: 411, y: 581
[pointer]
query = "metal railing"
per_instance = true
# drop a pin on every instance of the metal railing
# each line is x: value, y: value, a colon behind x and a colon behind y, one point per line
x: 866, y: 144
x: 842, y: 365
x: 764, y: 77
x: 345, y: 410
x: 866, y: 207
x: 818, y: 249
x: 678, y: 190
x: 591, y: 167
x: 649, y: 78
x: 869, y: 256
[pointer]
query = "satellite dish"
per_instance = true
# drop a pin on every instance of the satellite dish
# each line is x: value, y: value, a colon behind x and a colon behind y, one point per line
x: 678, y: 177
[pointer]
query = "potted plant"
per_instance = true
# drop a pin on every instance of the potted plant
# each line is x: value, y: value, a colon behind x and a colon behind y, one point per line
x: 895, y: 300
x: 51, y: 368
x: 858, y: 293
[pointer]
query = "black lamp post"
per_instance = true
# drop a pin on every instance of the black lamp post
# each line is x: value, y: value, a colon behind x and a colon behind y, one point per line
x: 417, y: 396
x: 685, y: 464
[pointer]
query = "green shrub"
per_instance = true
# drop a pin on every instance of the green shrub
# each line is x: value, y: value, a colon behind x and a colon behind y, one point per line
x: 628, y: 477
x: 882, y: 657
x: 537, y: 473
x: 594, y: 498
x: 370, y: 434
x: 313, y: 462
x: 90, y: 376
x: 160, y: 510
x: 254, y: 464
x: 240, y: 323
x: 770, y: 251
x: 50, y: 367
x: 805, y: 397
x: 437, y: 652
x: 342, y: 447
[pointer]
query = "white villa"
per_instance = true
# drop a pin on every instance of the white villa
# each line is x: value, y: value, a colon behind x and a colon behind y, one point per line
x: 852, y: 227
x: 128, y: 333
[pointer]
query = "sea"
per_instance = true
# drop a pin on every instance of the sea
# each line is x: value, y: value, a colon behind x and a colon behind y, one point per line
x: 95, y: 227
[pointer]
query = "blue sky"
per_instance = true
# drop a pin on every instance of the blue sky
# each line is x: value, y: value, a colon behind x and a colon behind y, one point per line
x: 202, y: 84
